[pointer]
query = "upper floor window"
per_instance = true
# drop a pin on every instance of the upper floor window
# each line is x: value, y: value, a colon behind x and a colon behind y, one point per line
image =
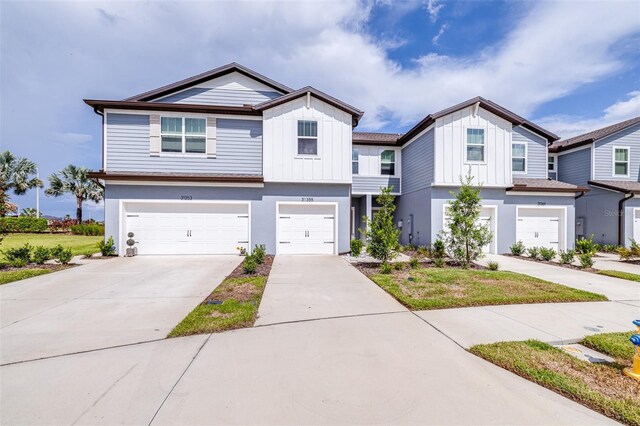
x: 475, y: 145
x: 355, y: 161
x: 551, y: 163
x: 388, y: 162
x: 183, y: 135
x: 519, y: 157
x: 307, y: 137
x: 621, y: 161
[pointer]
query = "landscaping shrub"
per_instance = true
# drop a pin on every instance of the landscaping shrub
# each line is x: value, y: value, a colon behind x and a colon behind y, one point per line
x: 609, y: 248
x: 57, y: 225
x: 438, y: 249
x: 258, y: 253
x: 107, y: 248
x: 64, y: 256
x: 624, y: 253
x: 425, y: 251
x: 547, y: 253
x: 439, y: 262
x: 517, y: 249
x: 18, y: 256
x: 413, y: 262
x: 386, y: 268
x: 586, y: 260
x: 381, y: 231
x: 249, y: 266
x: 534, y: 253
x: 586, y: 246
x: 634, y: 247
x: 55, y: 251
x: 88, y: 254
x: 22, y: 224
x: 40, y: 255
x: 566, y: 257
x: 493, y: 266
x: 356, y: 247
x: 398, y: 266
x: 90, y: 229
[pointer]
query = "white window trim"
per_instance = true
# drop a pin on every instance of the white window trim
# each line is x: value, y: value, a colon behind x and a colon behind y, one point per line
x: 526, y: 158
x: 484, y: 145
x: 355, y: 161
x: 555, y: 163
x: 317, y: 138
x: 184, y: 138
x: 613, y: 155
x: 396, y: 162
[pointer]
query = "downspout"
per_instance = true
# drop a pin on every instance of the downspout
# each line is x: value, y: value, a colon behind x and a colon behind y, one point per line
x: 621, y: 217
x: 580, y: 195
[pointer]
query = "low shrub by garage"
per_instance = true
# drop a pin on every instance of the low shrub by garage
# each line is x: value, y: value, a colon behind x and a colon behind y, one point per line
x: 91, y: 229
x: 23, y: 224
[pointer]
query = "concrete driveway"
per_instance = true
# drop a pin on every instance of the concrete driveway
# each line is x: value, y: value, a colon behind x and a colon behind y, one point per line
x: 104, y: 303
x: 313, y: 287
x: 612, y: 262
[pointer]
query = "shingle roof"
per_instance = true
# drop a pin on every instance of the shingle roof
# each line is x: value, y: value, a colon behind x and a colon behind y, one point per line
x: 592, y: 136
x: 627, y: 186
x: 373, y: 138
x: 543, y: 185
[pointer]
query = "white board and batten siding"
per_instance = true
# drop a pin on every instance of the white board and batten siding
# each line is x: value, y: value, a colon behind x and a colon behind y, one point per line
x: 450, y: 141
x: 281, y: 162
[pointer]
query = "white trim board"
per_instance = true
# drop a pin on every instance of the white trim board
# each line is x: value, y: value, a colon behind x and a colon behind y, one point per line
x: 182, y: 114
x: 174, y: 183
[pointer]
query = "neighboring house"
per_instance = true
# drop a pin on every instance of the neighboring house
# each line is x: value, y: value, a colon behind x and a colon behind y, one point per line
x: 608, y: 162
x: 505, y: 153
x: 227, y: 159
x: 230, y: 158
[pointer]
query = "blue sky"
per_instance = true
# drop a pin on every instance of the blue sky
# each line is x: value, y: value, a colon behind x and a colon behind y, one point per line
x: 569, y: 66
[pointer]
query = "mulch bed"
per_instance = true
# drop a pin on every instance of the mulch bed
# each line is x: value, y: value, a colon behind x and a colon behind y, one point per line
x: 53, y: 267
x: 242, y: 292
x: 262, y: 270
x: 369, y: 268
x: 550, y: 262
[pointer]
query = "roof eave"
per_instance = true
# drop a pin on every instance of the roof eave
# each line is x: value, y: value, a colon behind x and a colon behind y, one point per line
x: 173, y: 178
x: 613, y: 187
x: 101, y: 105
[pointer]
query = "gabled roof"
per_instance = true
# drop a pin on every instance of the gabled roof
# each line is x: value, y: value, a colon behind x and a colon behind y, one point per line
x: 208, y: 75
x: 373, y: 138
x: 543, y: 185
x: 626, y: 186
x: 100, y: 105
x: 485, y: 104
x: 593, y: 136
x: 355, y: 112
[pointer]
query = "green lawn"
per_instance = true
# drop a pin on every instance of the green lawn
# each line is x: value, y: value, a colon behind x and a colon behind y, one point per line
x: 438, y: 288
x: 79, y: 244
x: 601, y: 387
x: 22, y: 274
x: 618, y: 274
x: 615, y: 344
x: 240, y: 298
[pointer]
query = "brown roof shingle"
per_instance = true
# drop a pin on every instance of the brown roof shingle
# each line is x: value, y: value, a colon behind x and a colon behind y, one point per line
x: 543, y: 185
x: 589, y: 137
x: 627, y: 186
x: 374, y: 138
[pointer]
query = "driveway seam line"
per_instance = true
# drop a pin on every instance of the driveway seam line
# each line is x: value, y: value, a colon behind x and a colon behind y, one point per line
x: 438, y: 330
x: 142, y: 342
x: 328, y: 318
x: 179, y: 378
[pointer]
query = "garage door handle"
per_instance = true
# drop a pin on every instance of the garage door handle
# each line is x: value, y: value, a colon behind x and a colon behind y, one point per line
x: 328, y: 217
x: 285, y: 217
x: 328, y: 242
x: 243, y: 242
x: 285, y: 242
x: 243, y: 216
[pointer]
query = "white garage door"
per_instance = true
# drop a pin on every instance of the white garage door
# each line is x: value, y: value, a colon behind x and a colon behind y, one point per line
x: 488, y: 218
x: 188, y: 228
x: 539, y: 227
x: 306, y: 229
x: 636, y: 224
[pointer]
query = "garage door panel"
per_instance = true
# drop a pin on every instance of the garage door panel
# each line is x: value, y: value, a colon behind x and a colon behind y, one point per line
x: 306, y: 229
x: 539, y: 227
x: 186, y: 228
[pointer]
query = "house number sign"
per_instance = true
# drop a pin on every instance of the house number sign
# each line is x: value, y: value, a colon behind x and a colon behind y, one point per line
x: 307, y: 199
x: 186, y: 197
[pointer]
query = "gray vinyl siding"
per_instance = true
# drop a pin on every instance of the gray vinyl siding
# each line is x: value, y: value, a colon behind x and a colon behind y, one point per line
x: 417, y: 163
x: 604, y: 154
x: 575, y: 167
x: 238, y: 148
x: 536, y: 153
x: 372, y: 184
x: 218, y: 96
x: 414, y: 210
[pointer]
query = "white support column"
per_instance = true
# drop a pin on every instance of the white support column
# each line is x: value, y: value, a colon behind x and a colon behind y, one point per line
x: 368, y: 207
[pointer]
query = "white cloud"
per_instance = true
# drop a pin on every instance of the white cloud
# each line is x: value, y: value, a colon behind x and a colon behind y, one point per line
x: 434, y: 7
x: 567, y: 126
x: 436, y: 38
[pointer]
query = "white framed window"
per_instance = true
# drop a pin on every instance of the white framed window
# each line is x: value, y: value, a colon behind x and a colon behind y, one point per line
x: 183, y: 135
x: 519, y: 157
x: 475, y: 147
x: 551, y: 163
x: 307, y: 138
x: 620, y: 161
x: 388, y: 162
x: 355, y: 161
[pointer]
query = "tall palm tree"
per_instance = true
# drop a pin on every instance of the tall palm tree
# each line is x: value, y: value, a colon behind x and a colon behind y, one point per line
x: 17, y: 175
x: 74, y: 180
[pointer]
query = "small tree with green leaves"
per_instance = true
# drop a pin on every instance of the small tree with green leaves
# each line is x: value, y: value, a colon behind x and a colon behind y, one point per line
x: 464, y: 235
x: 381, y: 233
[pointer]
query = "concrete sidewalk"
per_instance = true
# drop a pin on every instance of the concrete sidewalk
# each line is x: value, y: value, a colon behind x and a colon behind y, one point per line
x: 314, y: 287
x: 611, y: 262
x: 612, y: 288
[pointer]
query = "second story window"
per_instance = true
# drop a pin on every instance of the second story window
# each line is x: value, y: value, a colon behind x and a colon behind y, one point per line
x: 475, y: 145
x: 551, y: 163
x: 388, y: 162
x: 183, y: 135
x: 621, y: 162
x: 355, y: 158
x: 307, y: 137
x: 519, y: 157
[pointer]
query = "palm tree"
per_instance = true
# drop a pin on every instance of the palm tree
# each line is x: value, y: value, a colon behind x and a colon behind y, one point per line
x: 17, y: 175
x: 74, y: 180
